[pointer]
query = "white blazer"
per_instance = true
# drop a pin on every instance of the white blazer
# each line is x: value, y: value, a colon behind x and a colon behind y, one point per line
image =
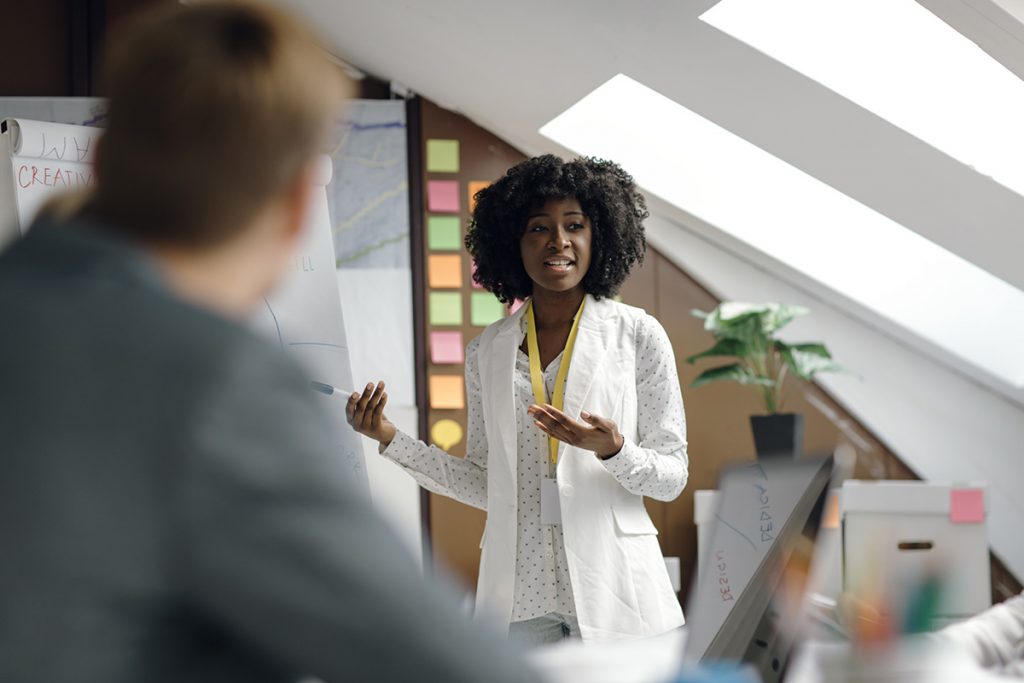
x: 620, y: 584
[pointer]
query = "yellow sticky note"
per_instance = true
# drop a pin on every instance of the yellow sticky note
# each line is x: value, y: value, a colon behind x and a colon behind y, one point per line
x: 447, y: 392
x: 446, y: 433
x: 474, y: 187
x: 442, y: 156
x: 444, y: 270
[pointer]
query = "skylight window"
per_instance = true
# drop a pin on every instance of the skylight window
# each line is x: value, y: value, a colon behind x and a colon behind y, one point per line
x: 900, y: 61
x: 780, y: 210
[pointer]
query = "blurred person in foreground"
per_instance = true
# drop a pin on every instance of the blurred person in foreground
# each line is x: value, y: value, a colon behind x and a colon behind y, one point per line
x: 994, y: 639
x: 171, y: 505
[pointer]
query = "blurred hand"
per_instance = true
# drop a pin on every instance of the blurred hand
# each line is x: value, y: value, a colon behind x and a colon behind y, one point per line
x: 365, y: 412
x: 600, y: 435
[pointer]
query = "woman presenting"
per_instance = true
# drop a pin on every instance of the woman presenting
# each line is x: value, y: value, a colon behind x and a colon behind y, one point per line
x: 574, y: 412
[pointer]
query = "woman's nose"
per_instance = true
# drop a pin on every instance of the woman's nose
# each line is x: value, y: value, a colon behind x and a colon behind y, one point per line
x: 559, y: 238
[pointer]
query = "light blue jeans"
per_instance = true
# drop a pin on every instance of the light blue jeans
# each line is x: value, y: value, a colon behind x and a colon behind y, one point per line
x: 549, y: 628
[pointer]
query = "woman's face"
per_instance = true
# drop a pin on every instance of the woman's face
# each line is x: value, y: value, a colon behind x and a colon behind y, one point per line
x: 556, y: 245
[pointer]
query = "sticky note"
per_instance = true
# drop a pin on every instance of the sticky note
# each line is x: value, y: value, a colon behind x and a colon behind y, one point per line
x: 444, y: 233
x: 442, y: 156
x: 485, y: 309
x: 444, y: 270
x: 967, y: 506
x: 474, y: 187
x: 447, y: 392
x: 443, y: 196
x: 446, y: 348
x: 446, y: 433
x: 445, y: 308
x: 516, y: 305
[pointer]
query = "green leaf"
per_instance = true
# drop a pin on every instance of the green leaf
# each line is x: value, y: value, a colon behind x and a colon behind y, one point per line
x: 739, y: 321
x: 807, y: 364
x: 697, y: 313
x: 778, y: 316
x: 723, y: 347
x: 732, y: 373
x: 815, y: 348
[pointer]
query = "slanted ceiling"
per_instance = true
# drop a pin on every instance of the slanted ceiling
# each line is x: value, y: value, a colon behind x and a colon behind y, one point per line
x: 514, y: 66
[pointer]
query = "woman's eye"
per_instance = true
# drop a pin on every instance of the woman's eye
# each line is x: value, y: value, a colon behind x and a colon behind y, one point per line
x: 576, y: 226
x: 538, y: 228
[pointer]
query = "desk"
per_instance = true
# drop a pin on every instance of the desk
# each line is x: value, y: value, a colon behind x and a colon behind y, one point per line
x: 659, y: 660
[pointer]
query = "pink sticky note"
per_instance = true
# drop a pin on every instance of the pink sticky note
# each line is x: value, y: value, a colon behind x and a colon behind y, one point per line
x: 446, y: 348
x: 476, y: 285
x: 443, y: 195
x: 516, y: 305
x: 966, y: 506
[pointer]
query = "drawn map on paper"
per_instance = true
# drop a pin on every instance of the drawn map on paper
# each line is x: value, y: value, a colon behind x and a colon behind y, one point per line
x: 369, y: 196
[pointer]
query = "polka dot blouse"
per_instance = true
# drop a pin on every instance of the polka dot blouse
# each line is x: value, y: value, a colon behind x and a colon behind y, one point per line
x: 656, y: 467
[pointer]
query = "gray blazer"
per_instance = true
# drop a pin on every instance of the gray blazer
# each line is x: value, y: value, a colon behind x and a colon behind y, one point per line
x: 171, y: 508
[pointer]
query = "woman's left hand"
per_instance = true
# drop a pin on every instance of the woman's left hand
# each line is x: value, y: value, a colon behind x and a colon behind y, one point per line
x: 600, y: 435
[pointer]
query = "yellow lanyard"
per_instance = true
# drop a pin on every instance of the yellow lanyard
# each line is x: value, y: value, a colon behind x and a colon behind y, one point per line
x: 537, y: 376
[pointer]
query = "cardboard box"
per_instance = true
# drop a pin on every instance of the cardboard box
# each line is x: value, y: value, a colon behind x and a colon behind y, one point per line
x: 896, y: 533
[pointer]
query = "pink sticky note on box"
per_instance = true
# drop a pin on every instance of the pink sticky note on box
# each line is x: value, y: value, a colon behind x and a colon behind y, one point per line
x: 443, y: 196
x: 967, y: 506
x: 446, y: 348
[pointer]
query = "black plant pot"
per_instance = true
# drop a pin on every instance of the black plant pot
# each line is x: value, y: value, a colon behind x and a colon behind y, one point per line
x: 781, y: 434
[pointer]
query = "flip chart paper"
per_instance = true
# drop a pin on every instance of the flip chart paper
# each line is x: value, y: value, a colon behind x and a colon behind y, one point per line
x: 442, y: 156
x: 485, y: 309
x: 445, y: 308
x: 446, y: 348
x: 444, y: 233
x: 447, y: 392
x: 443, y: 196
x: 444, y: 270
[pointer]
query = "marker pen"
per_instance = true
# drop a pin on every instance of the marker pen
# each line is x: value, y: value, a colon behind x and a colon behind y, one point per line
x: 329, y: 390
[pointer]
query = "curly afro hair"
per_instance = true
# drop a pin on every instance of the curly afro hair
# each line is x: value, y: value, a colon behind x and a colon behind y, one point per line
x: 606, y: 193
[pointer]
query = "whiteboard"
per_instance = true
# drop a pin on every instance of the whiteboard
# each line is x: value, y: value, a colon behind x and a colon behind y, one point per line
x: 756, y: 506
x: 304, y: 316
x: 39, y: 160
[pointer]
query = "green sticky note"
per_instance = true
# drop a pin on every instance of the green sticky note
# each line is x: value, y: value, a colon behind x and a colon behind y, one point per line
x: 444, y: 233
x: 442, y: 156
x: 445, y: 308
x: 485, y: 309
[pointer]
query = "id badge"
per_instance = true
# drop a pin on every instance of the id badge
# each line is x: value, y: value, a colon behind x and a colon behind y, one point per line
x: 550, y: 509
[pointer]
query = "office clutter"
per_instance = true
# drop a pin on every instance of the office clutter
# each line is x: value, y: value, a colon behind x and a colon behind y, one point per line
x: 907, y: 541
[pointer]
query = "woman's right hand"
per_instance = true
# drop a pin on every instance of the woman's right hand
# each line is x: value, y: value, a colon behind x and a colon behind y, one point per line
x: 365, y: 412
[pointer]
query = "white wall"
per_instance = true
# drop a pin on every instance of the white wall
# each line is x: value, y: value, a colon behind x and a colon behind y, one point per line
x: 937, y: 420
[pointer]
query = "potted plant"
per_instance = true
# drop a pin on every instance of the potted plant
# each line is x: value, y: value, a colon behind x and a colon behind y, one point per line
x: 746, y: 333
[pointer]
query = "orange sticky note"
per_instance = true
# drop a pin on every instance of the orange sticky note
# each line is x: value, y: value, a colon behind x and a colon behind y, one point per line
x: 474, y: 187
x: 966, y: 506
x: 447, y: 392
x: 444, y: 270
